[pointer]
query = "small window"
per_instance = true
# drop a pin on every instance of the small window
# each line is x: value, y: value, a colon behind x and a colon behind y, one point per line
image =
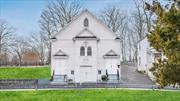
x: 72, y: 72
x: 86, y: 22
x: 82, y: 51
x: 99, y: 72
x: 89, y: 51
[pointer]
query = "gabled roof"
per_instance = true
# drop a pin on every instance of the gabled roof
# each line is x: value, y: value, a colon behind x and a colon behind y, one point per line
x: 111, y: 54
x: 60, y: 53
x: 86, y: 11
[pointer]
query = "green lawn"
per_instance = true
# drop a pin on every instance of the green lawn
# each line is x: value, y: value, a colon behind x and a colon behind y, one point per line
x: 90, y: 95
x: 24, y: 73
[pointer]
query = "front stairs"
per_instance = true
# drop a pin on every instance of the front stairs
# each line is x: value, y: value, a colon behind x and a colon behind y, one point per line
x: 59, y: 79
x: 113, y: 78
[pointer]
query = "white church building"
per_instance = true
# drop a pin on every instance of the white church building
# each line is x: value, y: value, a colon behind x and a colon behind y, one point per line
x: 146, y: 57
x: 84, y: 50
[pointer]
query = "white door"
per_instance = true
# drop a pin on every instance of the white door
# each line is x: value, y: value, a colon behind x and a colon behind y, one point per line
x: 87, y: 74
x: 60, y: 67
x: 111, y: 66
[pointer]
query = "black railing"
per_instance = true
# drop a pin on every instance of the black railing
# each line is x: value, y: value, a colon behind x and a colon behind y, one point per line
x: 118, y: 74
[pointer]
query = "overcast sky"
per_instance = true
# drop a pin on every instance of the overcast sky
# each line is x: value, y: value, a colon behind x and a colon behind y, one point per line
x: 24, y: 14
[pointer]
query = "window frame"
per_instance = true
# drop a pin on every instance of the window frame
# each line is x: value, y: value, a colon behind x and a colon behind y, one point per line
x: 82, y: 51
x: 72, y: 72
x: 99, y: 72
x: 86, y: 22
x: 89, y: 51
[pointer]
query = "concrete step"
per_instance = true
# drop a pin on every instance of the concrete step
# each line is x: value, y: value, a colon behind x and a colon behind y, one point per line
x: 58, y: 80
x: 113, y: 78
x: 59, y: 77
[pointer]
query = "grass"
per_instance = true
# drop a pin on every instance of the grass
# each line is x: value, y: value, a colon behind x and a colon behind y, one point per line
x: 90, y: 95
x: 24, y: 73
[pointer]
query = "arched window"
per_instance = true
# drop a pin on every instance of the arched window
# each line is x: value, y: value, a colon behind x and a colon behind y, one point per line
x: 86, y: 22
x: 89, y: 51
x: 82, y: 51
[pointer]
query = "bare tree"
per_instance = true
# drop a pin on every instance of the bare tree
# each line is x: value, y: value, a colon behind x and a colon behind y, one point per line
x: 6, y: 33
x: 142, y: 18
x: 57, y: 14
x: 114, y: 18
x: 37, y: 42
x: 19, y: 47
x: 30, y: 57
x: 139, y: 21
x: 138, y: 27
x: 4, y: 59
x: 141, y: 24
x: 131, y: 42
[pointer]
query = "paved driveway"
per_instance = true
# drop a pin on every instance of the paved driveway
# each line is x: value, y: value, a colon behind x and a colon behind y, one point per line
x: 131, y: 76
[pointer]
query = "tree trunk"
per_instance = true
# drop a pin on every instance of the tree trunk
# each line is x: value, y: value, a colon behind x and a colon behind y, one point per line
x: 49, y: 54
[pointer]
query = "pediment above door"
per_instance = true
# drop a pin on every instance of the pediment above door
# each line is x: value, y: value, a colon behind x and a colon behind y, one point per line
x: 111, y: 54
x: 61, y: 54
x: 85, y: 34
